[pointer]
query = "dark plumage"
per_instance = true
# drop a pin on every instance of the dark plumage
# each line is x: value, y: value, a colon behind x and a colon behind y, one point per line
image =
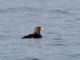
x: 36, y: 34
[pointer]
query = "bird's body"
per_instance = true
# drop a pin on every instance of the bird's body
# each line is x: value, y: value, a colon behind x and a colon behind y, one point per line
x: 32, y: 36
x: 35, y: 35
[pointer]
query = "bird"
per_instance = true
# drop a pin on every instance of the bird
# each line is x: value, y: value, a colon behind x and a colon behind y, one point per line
x: 36, y: 34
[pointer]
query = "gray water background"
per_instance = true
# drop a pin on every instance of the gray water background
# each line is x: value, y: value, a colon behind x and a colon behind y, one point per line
x: 61, y: 36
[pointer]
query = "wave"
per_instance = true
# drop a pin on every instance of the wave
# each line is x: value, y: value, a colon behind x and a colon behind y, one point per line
x: 61, y: 12
x: 16, y: 9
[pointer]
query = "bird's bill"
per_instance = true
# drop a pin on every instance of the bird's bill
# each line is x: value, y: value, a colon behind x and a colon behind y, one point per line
x: 42, y: 29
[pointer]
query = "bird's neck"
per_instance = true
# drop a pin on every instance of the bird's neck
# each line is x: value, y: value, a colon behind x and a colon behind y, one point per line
x: 36, y: 32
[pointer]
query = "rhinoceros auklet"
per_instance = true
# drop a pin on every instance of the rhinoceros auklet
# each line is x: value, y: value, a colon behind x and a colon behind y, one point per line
x: 35, y: 35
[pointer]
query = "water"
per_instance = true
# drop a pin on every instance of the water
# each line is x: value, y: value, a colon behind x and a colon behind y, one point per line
x: 61, y: 35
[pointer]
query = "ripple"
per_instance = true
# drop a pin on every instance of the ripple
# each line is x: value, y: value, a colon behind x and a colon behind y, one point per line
x: 2, y: 35
x: 61, y: 12
x: 75, y: 55
x: 16, y: 9
x: 57, y: 44
x: 29, y: 58
x: 77, y: 19
x: 58, y: 38
x: 49, y: 33
x: 35, y: 59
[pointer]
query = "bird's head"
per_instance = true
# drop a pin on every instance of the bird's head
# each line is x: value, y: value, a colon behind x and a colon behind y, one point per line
x: 38, y: 29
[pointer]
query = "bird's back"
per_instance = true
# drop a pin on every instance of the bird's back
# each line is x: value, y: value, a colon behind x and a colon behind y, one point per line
x: 32, y: 36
